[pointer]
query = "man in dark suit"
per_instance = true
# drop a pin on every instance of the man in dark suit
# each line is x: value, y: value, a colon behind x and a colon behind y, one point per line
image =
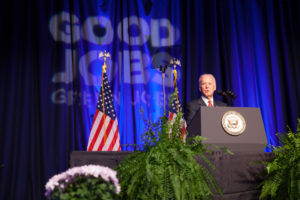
x: 207, y: 87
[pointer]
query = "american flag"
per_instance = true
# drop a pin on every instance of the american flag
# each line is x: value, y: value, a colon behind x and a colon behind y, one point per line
x: 104, y: 135
x: 175, y: 106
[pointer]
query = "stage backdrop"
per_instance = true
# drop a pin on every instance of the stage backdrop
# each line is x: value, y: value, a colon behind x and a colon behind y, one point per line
x: 51, y: 74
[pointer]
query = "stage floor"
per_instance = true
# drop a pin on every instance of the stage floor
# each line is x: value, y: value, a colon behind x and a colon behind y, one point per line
x: 238, y: 175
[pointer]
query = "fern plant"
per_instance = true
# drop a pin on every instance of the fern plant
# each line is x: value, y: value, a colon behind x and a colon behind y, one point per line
x: 166, y: 169
x: 283, y: 173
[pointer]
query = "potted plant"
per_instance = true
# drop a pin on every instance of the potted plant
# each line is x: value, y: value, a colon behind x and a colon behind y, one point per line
x: 166, y: 168
x: 282, y: 180
x: 86, y: 182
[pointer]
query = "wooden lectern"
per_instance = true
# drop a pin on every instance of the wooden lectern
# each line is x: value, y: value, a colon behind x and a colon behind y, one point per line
x: 214, y: 123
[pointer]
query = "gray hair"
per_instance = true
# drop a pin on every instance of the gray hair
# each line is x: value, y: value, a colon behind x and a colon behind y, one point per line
x: 207, y: 75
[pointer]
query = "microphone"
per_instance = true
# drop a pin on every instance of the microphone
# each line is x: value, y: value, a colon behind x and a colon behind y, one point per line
x: 227, y: 94
x: 221, y: 93
x: 231, y: 94
x: 163, y: 68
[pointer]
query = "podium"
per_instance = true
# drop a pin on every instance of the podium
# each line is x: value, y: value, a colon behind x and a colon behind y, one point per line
x: 218, y: 125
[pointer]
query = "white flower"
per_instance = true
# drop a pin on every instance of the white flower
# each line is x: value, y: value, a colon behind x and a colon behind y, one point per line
x: 68, y: 176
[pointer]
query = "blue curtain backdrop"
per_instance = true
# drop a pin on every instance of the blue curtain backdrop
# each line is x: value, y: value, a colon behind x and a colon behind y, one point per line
x: 51, y: 74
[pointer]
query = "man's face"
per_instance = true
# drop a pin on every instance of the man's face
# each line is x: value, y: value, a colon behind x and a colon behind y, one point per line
x: 207, y: 86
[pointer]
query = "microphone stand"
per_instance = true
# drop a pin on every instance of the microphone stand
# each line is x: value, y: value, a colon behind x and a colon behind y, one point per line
x: 230, y: 95
x: 228, y: 100
x: 163, y: 70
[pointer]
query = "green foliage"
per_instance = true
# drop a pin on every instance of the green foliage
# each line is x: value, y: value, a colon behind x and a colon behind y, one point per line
x: 166, y: 169
x: 283, y: 173
x: 86, y: 188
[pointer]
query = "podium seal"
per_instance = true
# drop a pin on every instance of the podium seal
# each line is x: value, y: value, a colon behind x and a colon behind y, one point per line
x: 233, y: 123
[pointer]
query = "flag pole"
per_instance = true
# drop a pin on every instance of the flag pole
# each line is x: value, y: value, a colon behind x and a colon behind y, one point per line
x: 175, y: 62
x: 105, y: 55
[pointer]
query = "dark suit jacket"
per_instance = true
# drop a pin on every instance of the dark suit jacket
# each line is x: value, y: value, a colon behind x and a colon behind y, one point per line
x: 194, y: 106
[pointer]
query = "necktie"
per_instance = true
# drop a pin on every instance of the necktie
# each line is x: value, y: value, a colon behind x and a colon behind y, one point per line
x: 209, y: 103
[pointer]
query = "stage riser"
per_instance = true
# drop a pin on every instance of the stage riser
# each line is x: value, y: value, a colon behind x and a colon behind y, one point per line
x: 238, y: 175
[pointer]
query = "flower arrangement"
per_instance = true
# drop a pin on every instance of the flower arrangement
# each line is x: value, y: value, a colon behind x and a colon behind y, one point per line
x: 85, y: 182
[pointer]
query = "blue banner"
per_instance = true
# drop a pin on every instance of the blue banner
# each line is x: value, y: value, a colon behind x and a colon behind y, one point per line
x: 139, y: 43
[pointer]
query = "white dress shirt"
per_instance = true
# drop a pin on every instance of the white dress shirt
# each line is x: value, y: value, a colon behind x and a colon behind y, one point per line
x: 206, y: 100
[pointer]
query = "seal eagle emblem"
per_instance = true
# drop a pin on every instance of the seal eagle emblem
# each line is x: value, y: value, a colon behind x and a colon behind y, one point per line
x: 233, y: 123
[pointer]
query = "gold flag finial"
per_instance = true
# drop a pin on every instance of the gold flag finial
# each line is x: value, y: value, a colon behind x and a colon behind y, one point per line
x: 104, y: 55
x: 175, y: 62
